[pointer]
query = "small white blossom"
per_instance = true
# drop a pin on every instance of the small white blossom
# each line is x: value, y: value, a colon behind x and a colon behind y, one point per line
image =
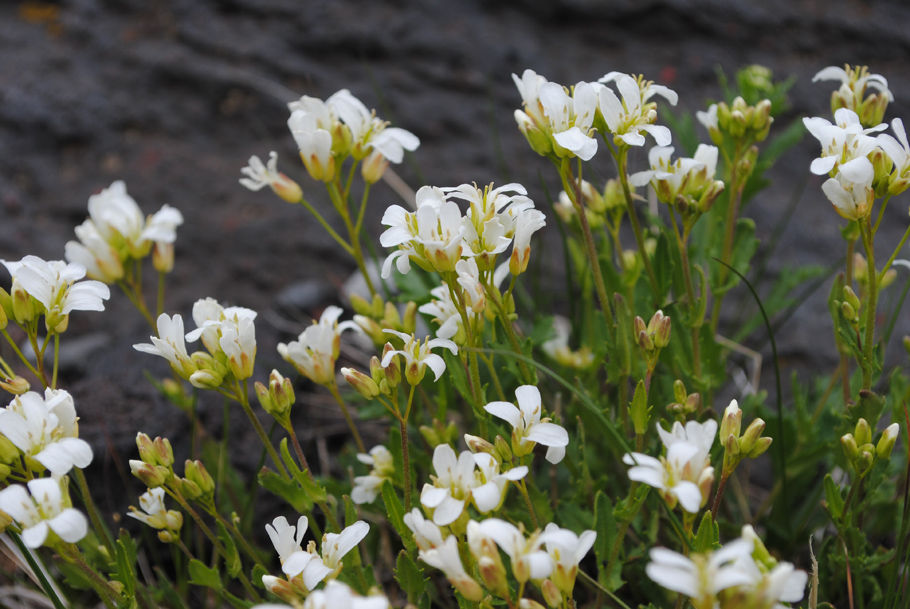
x: 628, y: 117
x: 315, y: 567
x: 845, y: 145
x: 566, y: 118
x: 315, y: 351
x: 227, y: 330
x: 46, y: 430
x: 447, y: 559
x: 258, y: 175
x: 366, y: 488
x: 566, y: 550
x: 700, y: 576
x: 369, y: 132
x: 668, y: 474
x: 528, y: 428
x: 170, y: 344
x: 527, y: 559
x: 898, y: 150
x: 854, y: 85
x: 427, y: 534
x: 452, y: 485
x: 41, y: 510
x: 527, y: 223
x: 55, y: 284
x: 153, y: 512
x: 418, y: 355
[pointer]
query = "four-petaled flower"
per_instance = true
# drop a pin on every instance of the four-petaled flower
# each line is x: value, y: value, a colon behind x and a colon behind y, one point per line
x: 315, y: 351
x: 626, y: 119
x: 41, y: 510
x: 170, y: 344
x: 528, y: 428
x: 418, y: 356
x: 46, y: 430
x: 154, y: 513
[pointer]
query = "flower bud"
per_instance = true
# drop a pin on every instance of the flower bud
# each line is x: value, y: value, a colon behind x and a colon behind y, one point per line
x: 679, y: 391
x: 286, y: 188
x: 373, y: 167
x: 24, y: 306
x: 659, y: 329
x: 527, y: 603
x: 886, y: 442
x: 539, y: 141
x: 163, y: 257
x: 409, y: 320
x: 195, y: 472
x: 371, y: 328
x: 478, y: 444
x: 393, y: 370
x: 16, y: 385
x: 4, y: 319
x: 551, y: 593
x: 155, y: 452
x: 152, y: 476
x: 759, y: 447
x: 862, y: 432
x: 848, y: 443
x: 731, y: 424
x: 751, y: 436
x: 503, y: 450
x: 8, y: 450
x: 281, y: 390
x: 364, y: 385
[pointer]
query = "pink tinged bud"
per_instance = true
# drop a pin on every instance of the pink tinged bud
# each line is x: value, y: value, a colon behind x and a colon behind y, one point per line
x: 373, y: 167
x: 551, y: 593
x: 478, y: 444
x: 195, y: 472
x: 731, y: 424
x: 16, y: 385
x: 527, y: 603
x: 287, y: 189
x: 493, y: 575
x: 469, y: 588
x: 152, y: 476
x: 364, y: 385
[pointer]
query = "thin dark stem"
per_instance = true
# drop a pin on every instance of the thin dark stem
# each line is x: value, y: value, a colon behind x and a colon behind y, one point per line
x: 333, y: 389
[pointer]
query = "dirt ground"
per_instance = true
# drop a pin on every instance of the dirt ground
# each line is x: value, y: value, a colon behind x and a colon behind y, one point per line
x: 174, y: 96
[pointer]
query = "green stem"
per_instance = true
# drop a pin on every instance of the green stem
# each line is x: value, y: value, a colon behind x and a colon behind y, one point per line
x: 572, y: 188
x: 523, y: 487
x: 39, y: 357
x: 297, y: 448
x: 241, y: 396
x: 92, y: 510
x: 37, y: 569
x: 101, y: 586
x: 695, y: 321
x: 405, y: 457
x: 620, y: 156
x: 333, y: 389
x: 159, y: 301
x: 134, y: 297
x: 736, y: 193
x: 344, y: 244
x: 895, y: 252
x: 341, y: 205
x: 19, y: 353
x: 872, y: 300
x: 56, y: 360
x: 235, y: 532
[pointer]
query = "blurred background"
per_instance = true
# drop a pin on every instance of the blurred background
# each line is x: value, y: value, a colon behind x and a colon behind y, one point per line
x: 174, y: 96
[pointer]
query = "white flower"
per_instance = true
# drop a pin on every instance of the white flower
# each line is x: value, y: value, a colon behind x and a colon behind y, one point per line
x: 668, y: 474
x: 315, y: 351
x: 259, y: 175
x: 528, y: 428
x: 433, y: 235
x: 708, y: 118
x: 898, y: 150
x: 286, y: 538
x: 115, y: 216
x: 770, y: 589
x: 452, y: 484
x: 701, y: 576
x: 551, y: 110
x: 46, y: 430
x: 854, y: 84
x: 41, y: 510
x: 366, y: 488
x: 170, y: 344
x: 527, y: 559
x: 446, y: 558
x: 626, y: 119
x: 527, y: 223
x: 227, y: 330
x: 418, y: 355
x: 490, y: 486
x: 55, y: 284
x: 557, y: 347
x: 566, y: 550
x: 335, y: 546
x: 369, y: 132
x: 444, y: 312
x: 427, y: 534
x: 845, y: 145
x: 691, y: 178
x: 851, y: 199
x: 154, y: 513
x: 335, y: 595
x: 92, y: 251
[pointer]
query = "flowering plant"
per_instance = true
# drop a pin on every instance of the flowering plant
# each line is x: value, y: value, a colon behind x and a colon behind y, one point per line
x: 616, y: 467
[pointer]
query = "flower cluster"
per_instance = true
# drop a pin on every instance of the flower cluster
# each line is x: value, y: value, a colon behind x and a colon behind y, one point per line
x: 116, y: 233
x: 227, y: 333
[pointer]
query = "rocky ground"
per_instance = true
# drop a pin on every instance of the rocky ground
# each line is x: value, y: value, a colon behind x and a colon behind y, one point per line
x: 174, y: 96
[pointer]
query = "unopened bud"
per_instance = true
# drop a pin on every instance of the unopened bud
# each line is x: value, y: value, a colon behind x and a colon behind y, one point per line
x: 8, y: 450
x: 478, y: 444
x: 848, y: 443
x: 373, y: 167
x: 551, y: 593
x: 195, y: 472
x: 862, y: 432
x: 679, y: 391
x: 759, y: 447
x: 152, y: 476
x: 752, y: 434
x: 364, y: 385
x: 409, y: 319
x: 16, y: 385
x: 527, y: 603
x: 659, y: 329
x: 281, y: 390
x: 731, y: 424
x: 163, y: 257
x: 503, y: 450
x: 886, y: 442
x: 393, y: 368
x: 493, y: 575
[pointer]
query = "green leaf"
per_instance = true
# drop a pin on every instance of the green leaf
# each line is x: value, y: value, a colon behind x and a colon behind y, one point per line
x: 707, y: 537
x: 834, y: 498
x: 286, y: 489
x: 125, y: 554
x: 395, y: 512
x: 201, y: 575
x: 410, y: 577
x: 313, y: 490
x: 604, y: 526
x: 232, y: 556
